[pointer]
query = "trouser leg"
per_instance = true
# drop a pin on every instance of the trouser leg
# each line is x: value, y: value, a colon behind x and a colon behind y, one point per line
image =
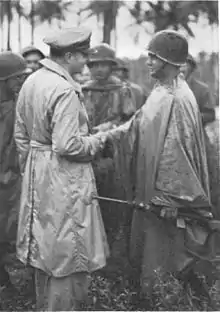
x: 61, y: 294
x: 4, y: 276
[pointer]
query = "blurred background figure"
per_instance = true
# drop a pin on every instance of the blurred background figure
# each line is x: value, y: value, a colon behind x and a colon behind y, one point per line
x: 32, y: 56
x: 13, y: 72
x: 204, y: 98
x: 108, y: 101
x: 122, y: 71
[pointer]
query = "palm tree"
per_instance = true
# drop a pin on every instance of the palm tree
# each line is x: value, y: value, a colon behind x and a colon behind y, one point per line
x: 3, y: 13
x: 108, y: 11
x: 174, y: 14
x: 7, y: 11
x: 47, y: 10
x: 32, y: 13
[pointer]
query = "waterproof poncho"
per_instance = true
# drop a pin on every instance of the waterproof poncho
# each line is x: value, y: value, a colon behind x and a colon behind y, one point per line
x: 162, y: 160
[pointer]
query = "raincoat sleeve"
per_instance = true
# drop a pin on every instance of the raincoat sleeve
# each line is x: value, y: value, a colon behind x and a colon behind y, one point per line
x: 67, y: 140
x: 20, y: 133
x: 124, y: 140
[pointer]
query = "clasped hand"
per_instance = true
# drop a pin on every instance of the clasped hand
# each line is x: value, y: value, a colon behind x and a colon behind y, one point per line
x: 169, y: 212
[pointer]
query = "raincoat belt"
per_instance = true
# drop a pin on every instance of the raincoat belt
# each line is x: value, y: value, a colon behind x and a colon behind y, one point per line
x: 40, y: 146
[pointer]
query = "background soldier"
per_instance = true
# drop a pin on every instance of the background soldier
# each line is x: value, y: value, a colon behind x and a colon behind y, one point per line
x: 32, y: 56
x: 108, y: 101
x: 12, y: 75
x: 121, y: 70
x: 204, y: 98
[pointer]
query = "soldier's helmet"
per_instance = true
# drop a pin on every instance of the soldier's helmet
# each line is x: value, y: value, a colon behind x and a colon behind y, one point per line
x: 122, y: 64
x: 31, y: 49
x: 169, y: 46
x: 191, y: 61
x: 102, y: 53
x: 12, y: 64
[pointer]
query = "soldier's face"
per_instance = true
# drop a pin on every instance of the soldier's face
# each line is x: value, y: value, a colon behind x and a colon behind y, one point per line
x: 100, y: 71
x: 186, y: 70
x: 155, y: 65
x: 32, y: 61
x: 119, y: 73
x: 15, y: 83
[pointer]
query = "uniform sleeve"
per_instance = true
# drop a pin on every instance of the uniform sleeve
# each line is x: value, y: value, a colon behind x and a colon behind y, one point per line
x: 20, y: 133
x: 66, y: 137
x: 207, y: 108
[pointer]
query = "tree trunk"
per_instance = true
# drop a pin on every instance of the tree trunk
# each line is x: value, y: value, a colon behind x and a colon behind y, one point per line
x: 109, y: 20
x: 19, y: 25
x: 9, y: 25
x: 107, y: 26
x: 2, y: 26
x: 32, y: 22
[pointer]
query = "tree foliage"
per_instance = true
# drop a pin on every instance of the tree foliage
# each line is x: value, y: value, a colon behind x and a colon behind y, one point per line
x: 174, y: 14
x: 107, y: 10
x: 47, y: 10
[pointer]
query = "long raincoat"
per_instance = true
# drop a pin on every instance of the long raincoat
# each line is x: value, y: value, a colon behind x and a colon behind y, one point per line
x: 60, y: 226
x: 10, y: 178
x: 162, y: 161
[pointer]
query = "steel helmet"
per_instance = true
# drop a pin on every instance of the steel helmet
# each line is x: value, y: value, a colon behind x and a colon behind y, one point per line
x: 122, y: 64
x: 31, y: 49
x: 102, y: 53
x: 191, y: 60
x: 11, y: 64
x: 169, y: 46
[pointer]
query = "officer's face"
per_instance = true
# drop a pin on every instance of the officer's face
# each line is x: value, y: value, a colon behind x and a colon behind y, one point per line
x: 155, y: 65
x: 100, y: 71
x: 32, y: 61
x: 76, y: 62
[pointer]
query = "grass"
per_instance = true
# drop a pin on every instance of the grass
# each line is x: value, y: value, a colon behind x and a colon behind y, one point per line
x: 115, y: 294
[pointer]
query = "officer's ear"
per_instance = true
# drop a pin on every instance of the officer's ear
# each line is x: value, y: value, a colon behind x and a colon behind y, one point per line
x: 68, y: 57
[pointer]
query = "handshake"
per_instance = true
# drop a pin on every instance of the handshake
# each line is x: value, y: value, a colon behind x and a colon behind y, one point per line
x: 102, y: 132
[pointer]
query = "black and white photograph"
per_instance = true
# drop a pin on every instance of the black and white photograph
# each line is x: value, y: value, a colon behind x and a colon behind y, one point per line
x: 109, y: 155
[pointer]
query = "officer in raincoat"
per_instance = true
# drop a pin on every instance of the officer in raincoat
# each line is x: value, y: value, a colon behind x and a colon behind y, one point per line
x: 12, y: 75
x: 60, y: 229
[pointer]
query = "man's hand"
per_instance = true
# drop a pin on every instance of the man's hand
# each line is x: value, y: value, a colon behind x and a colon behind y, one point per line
x: 169, y: 212
x: 103, y: 127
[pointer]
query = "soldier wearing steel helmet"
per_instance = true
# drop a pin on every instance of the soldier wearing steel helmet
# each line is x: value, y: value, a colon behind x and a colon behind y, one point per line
x: 106, y: 98
x: 121, y: 70
x: 201, y: 91
x: 60, y: 229
x: 162, y: 159
x: 12, y: 75
x: 32, y: 56
x: 108, y: 101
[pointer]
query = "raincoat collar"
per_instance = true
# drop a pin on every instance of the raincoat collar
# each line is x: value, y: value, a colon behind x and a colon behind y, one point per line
x: 55, y: 67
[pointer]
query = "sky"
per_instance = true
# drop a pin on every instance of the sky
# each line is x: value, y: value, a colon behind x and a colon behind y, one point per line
x: 206, y: 38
